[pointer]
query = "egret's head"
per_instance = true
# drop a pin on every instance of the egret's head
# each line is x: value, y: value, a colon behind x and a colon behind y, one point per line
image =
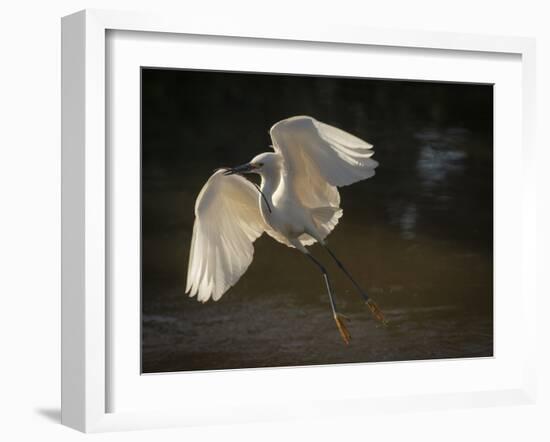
x: 262, y: 163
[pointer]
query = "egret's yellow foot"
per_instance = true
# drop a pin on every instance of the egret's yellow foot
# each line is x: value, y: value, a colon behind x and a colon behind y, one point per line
x: 376, y: 312
x: 342, y: 328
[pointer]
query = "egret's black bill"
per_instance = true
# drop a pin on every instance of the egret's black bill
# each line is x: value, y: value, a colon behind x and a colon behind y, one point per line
x: 243, y: 168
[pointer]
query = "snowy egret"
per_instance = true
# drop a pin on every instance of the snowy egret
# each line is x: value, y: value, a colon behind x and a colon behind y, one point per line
x: 297, y: 204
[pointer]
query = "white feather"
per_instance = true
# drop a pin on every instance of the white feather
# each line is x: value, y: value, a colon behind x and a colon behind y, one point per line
x: 318, y: 158
x: 227, y: 222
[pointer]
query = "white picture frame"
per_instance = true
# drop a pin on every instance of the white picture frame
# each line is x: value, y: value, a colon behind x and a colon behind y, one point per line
x: 85, y: 209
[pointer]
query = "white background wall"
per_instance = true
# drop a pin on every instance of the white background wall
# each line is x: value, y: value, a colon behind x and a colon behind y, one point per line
x: 30, y: 220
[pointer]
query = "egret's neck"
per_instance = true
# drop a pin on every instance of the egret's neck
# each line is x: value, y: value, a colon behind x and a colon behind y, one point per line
x: 271, y: 180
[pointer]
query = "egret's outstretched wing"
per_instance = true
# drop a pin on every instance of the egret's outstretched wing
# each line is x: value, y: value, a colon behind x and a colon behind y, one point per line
x: 227, y: 222
x: 319, y: 157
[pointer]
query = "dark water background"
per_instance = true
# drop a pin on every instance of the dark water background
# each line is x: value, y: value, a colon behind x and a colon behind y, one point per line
x: 418, y: 236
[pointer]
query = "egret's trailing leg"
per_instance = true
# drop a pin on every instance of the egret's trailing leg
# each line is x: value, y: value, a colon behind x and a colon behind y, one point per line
x: 373, y: 307
x: 338, y: 318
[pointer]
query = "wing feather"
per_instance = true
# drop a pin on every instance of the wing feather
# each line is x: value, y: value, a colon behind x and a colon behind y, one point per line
x: 331, y: 154
x: 227, y: 222
x: 318, y: 158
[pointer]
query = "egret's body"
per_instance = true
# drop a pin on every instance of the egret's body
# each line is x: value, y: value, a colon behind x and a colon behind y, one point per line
x: 280, y: 207
x: 297, y: 204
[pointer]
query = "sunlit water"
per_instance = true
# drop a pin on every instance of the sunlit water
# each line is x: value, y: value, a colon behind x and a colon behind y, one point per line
x: 436, y: 291
x: 242, y: 336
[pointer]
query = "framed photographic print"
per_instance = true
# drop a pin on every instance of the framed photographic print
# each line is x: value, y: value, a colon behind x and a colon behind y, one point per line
x: 417, y: 236
x: 264, y: 221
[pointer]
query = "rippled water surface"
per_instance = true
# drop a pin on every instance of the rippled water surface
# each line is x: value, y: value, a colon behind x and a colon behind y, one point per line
x: 417, y: 236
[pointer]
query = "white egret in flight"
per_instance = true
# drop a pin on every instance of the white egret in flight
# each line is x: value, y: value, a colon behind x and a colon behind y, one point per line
x: 298, y: 204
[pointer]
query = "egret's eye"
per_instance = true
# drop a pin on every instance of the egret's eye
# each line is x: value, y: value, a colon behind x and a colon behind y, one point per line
x: 260, y: 164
